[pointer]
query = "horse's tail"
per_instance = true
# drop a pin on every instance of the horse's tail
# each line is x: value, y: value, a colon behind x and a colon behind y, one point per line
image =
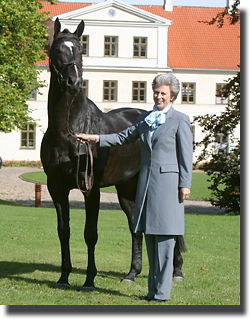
x: 181, y: 244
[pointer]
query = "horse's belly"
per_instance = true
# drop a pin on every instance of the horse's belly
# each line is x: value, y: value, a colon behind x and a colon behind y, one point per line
x: 123, y: 163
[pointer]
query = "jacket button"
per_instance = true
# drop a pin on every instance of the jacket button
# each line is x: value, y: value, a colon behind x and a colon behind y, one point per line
x: 149, y: 167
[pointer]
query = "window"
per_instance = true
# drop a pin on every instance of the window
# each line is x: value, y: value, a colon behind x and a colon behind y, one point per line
x: 85, y: 87
x: 139, y: 91
x: 84, y: 41
x: 221, y: 139
x: 109, y: 90
x: 188, y: 92
x: 28, y: 136
x: 110, y: 46
x: 219, y: 94
x: 32, y: 94
x: 140, y: 47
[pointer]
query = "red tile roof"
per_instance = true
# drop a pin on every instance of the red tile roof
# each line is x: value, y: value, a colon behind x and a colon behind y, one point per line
x: 196, y: 45
x: 62, y: 7
x: 191, y: 44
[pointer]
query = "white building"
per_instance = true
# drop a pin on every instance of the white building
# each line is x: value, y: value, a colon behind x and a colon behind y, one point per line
x: 125, y: 48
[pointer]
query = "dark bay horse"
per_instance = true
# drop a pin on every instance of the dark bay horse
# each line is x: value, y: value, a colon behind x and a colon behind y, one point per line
x: 67, y: 163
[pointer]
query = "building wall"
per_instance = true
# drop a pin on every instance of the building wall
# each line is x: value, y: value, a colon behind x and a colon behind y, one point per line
x: 205, y: 103
x: 126, y: 23
x: 205, y: 97
x: 125, y: 47
x: 10, y: 143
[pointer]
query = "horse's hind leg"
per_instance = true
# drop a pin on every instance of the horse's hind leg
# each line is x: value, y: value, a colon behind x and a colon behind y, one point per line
x: 178, y: 261
x: 60, y: 198
x: 126, y: 195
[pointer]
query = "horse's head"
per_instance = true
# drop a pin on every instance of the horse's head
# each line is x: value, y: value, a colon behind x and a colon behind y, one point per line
x: 66, y: 57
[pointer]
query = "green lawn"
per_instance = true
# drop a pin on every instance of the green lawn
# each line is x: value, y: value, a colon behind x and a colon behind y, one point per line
x: 39, y: 176
x: 199, y: 188
x: 30, y: 260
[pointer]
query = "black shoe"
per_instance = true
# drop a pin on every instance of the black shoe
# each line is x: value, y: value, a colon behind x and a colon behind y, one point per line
x: 147, y: 298
x: 158, y: 300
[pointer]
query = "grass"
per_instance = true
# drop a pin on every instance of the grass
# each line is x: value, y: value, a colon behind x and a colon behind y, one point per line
x: 199, y: 188
x: 30, y: 260
x: 39, y: 176
x: 200, y: 184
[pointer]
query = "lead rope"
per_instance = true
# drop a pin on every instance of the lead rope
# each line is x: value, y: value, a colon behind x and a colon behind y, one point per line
x: 88, y: 178
x: 89, y: 155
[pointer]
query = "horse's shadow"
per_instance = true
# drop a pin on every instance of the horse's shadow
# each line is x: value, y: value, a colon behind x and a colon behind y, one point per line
x: 74, y: 204
x: 14, y: 271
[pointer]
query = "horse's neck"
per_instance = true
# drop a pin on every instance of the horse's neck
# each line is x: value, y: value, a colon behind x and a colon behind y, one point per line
x: 57, y: 108
x: 65, y: 111
x: 77, y: 116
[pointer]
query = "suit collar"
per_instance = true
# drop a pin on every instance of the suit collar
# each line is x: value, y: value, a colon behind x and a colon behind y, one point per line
x: 170, y: 112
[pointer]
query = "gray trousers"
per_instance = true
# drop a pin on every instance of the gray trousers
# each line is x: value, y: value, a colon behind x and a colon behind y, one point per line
x: 160, y: 249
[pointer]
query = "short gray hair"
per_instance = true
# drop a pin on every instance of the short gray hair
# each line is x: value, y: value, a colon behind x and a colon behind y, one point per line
x: 167, y: 79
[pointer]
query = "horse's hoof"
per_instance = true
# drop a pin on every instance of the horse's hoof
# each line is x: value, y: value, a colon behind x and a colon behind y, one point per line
x: 62, y: 286
x: 88, y: 289
x: 178, y: 278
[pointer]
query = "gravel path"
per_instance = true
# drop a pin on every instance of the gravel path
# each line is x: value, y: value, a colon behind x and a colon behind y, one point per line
x: 19, y: 191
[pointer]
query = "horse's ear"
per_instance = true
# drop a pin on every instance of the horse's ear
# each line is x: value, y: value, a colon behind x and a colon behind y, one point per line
x: 79, y: 29
x: 57, y: 27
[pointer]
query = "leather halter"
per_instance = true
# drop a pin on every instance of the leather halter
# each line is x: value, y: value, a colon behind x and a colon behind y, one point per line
x: 63, y: 36
x: 89, y: 178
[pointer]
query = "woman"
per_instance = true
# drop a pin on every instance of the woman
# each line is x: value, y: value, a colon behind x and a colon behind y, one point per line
x: 164, y: 180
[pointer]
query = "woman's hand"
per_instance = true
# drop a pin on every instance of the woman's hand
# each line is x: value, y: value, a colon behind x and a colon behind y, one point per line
x: 82, y: 137
x: 184, y: 194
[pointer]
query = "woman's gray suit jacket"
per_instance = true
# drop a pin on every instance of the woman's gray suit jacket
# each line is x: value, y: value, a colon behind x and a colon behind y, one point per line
x: 166, y: 166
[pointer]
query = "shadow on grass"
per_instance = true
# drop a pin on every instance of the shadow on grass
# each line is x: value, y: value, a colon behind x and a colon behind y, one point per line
x: 8, y: 203
x: 49, y: 204
x: 14, y: 271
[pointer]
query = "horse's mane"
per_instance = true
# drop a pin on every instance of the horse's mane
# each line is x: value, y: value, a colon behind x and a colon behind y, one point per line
x: 66, y: 31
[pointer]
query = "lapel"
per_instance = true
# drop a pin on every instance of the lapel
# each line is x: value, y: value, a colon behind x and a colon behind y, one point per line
x: 146, y: 131
x: 148, y: 135
x: 165, y: 125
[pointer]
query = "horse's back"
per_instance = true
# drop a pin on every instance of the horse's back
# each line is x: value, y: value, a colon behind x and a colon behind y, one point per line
x: 123, y: 162
x: 126, y: 111
x: 122, y: 118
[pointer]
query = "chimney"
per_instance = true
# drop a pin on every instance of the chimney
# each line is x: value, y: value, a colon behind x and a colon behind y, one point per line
x: 168, y: 5
x: 230, y: 3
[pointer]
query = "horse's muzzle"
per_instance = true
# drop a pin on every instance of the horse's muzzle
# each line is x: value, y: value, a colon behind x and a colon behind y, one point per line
x: 73, y: 84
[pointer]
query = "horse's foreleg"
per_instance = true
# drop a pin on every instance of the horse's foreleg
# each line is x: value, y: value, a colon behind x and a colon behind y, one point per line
x: 92, y: 203
x: 60, y: 199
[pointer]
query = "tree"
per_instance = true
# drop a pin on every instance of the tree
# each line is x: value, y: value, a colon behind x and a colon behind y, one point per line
x: 230, y: 13
x: 223, y: 167
x: 23, y: 38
